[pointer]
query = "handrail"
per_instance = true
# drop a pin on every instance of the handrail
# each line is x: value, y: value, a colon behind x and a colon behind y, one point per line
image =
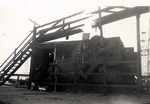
x: 29, y: 41
x: 17, y: 54
x: 16, y: 49
x: 24, y: 39
x: 61, y: 19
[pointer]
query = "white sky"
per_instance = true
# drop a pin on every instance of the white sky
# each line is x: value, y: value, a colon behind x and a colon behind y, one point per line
x: 15, y: 26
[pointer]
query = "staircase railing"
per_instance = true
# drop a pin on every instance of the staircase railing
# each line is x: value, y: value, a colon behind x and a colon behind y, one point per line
x: 17, y: 52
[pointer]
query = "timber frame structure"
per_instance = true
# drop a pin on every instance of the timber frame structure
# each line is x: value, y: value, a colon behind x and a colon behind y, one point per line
x: 64, y: 29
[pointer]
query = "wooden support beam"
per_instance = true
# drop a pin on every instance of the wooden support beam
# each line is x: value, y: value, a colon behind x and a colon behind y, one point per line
x: 42, y: 32
x: 100, y: 74
x: 122, y: 15
x: 58, y: 34
x: 32, y: 66
x: 65, y: 24
x: 100, y: 27
x: 104, y: 10
x: 104, y: 68
x: 75, y: 77
x: 139, y: 53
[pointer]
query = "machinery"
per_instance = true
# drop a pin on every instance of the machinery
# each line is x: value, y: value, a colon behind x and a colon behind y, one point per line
x: 96, y: 61
x: 98, y: 64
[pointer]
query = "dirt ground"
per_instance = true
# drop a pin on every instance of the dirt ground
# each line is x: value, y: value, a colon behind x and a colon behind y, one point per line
x: 12, y: 95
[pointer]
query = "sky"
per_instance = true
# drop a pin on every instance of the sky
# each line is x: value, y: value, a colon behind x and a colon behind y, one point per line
x: 15, y: 15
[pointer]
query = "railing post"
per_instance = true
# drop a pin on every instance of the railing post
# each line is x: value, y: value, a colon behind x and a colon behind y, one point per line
x: 32, y: 66
x: 15, y: 54
x: 67, y: 36
x: 63, y: 26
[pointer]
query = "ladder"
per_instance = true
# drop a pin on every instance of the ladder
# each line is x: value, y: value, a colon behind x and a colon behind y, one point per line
x: 16, y: 59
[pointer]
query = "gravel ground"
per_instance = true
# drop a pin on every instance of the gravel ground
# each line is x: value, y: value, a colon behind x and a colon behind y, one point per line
x: 12, y: 95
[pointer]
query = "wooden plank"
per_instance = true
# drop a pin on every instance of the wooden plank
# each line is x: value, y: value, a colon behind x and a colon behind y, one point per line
x: 121, y: 62
x: 99, y: 74
x: 61, y: 25
x: 123, y: 86
x: 47, y: 46
x: 57, y: 35
x: 104, y: 10
x: 89, y: 72
x: 145, y: 77
x: 19, y: 74
x: 44, y: 31
x: 97, y: 84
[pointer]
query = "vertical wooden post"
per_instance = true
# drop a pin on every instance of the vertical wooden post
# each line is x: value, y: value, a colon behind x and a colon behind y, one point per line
x: 63, y: 29
x: 100, y: 27
x: 139, y: 53
x: 67, y: 36
x: 104, y: 76
x: 56, y: 70
x: 50, y: 78
x: 100, y: 24
x: 17, y: 83
x: 147, y: 86
x: 32, y: 59
x: 75, y: 77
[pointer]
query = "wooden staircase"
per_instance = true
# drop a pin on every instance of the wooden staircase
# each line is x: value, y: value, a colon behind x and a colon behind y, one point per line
x: 16, y: 59
x: 40, y: 35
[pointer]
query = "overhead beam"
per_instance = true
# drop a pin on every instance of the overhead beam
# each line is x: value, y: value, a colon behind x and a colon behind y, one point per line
x: 105, y: 9
x: 122, y: 15
x: 47, y: 46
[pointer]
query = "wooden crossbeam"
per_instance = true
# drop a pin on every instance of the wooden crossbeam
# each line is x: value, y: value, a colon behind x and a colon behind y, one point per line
x: 46, y: 30
x: 63, y: 25
x: 102, y: 10
x: 57, y: 35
